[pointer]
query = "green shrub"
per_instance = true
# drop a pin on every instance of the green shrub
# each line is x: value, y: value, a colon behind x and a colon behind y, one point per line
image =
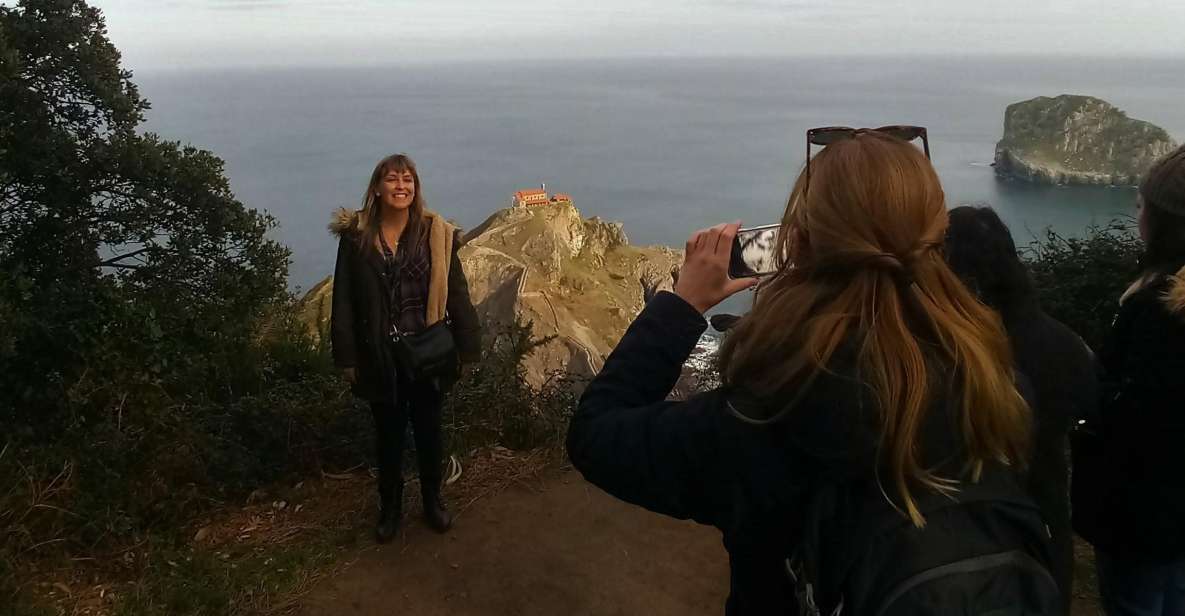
x: 495, y: 404
x: 1079, y: 279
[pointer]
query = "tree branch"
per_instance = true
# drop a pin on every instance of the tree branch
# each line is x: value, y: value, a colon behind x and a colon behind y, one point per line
x: 114, y: 261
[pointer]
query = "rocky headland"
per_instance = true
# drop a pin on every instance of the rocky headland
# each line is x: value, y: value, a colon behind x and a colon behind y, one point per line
x: 1077, y: 140
x: 577, y: 279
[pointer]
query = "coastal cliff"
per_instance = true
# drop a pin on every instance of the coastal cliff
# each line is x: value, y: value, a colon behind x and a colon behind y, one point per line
x: 577, y: 279
x: 1077, y: 140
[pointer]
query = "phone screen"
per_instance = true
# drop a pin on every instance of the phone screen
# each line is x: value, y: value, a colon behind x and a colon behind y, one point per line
x: 753, y: 252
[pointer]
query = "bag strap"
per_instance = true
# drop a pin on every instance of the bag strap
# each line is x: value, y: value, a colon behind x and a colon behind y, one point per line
x: 804, y: 567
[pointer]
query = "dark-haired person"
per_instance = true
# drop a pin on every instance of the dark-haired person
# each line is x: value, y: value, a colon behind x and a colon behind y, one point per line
x: 1059, y: 365
x: 397, y: 265
x: 865, y: 372
x: 1137, y: 519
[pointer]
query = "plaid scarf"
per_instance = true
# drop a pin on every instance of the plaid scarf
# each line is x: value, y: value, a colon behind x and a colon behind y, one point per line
x: 407, y: 283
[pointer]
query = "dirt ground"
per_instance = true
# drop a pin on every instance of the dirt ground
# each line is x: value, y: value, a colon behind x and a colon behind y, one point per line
x: 566, y: 549
x: 559, y: 546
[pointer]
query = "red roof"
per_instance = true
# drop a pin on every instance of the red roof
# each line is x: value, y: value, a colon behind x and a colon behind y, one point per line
x: 534, y: 192
x: 562, y: 197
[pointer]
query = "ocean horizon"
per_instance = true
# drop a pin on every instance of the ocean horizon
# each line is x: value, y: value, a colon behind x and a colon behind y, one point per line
x: 665, y: 146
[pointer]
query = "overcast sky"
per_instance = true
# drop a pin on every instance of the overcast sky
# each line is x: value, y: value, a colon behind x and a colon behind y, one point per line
x: 216, y: 33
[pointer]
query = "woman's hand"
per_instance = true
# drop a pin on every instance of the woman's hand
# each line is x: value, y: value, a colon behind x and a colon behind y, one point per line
x: 350, y: 375
x: 703, y: 280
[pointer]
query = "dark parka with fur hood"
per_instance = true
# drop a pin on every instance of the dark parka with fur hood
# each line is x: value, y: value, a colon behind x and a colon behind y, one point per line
x: 359, y: 325
x: 1135, y: 504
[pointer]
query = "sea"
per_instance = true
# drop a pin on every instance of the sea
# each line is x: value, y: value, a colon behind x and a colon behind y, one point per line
x: 665, y: 146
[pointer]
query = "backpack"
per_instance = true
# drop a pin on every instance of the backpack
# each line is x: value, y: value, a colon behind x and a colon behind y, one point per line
x: 984, y: 552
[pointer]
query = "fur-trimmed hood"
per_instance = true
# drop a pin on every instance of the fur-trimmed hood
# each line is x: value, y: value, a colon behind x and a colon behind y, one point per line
x: 1174, y: 298
x: 441, y: 240
x: 344, y: 220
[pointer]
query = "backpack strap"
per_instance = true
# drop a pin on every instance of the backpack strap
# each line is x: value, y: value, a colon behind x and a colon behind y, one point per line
x: 804, y: 566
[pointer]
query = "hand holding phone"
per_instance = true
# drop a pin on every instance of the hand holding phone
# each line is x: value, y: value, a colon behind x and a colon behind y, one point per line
x: 752, y: 253
x: 703, y: 280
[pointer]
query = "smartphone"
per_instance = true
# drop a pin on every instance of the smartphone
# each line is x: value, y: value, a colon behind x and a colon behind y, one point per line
x: 753, y: 252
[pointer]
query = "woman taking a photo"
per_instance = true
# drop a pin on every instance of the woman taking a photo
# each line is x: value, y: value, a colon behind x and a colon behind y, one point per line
x: 865, y: 371
x: 1131, y: 505
x: 398, y: 273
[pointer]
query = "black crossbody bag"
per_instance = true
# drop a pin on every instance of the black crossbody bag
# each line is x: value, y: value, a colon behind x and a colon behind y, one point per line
x: 424, y: 355
x: 428, y: 354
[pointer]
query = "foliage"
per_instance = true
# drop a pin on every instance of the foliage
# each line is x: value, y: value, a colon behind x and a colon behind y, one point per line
x: 496, y: 404
x: 178, y: 579
x: 1079, y: 279
x: 149, y: 361
x: 151, y: 364
x: 127, y: 264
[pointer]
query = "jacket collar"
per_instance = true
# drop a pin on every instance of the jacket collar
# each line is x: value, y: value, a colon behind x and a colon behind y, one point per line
x: 441, y: 237
x: 1173, y: 295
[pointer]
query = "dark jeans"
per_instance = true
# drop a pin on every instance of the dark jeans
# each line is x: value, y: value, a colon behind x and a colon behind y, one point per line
x: 419, y: 402
x: 1141, y: 589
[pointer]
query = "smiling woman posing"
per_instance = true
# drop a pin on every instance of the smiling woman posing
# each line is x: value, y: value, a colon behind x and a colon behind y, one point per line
x: 398, y: 273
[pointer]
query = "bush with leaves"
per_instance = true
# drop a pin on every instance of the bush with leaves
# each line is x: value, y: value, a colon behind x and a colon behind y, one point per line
x: 116, y: 244
x: 495, y: 404
x: 137, y: 384
x: 1079, y: 279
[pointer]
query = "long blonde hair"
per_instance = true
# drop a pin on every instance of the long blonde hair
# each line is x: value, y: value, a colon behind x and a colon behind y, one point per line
x: 371, y: 216
x: 860, y: 263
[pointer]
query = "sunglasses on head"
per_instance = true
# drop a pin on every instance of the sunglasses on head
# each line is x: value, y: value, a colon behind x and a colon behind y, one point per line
x: 828, y: 135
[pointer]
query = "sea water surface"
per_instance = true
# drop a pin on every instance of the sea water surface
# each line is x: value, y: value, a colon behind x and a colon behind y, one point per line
x: 665, y: 146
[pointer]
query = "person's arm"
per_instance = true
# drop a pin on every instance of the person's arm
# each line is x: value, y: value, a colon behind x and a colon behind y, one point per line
x: 343, y: 339
x: 466, y: 324
x: 1085, y: 391
x: 624, y: 437
x: 628, y: 440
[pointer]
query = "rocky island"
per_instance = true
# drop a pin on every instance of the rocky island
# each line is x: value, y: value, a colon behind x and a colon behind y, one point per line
x: 1077, y: 140
x: 574, y: 278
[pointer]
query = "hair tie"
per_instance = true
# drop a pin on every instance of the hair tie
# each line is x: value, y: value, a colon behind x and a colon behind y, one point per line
x: 904, y: 277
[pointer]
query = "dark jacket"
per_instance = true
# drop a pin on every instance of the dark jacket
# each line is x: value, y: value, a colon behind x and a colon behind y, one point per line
x: 360, y: 320
x: 695, y: 459
x: 1140, y: 501
x: 1062, y: 372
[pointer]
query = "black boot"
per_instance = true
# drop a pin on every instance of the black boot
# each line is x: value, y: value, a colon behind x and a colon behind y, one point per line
x: 390, y: 514
x: 435, y: 511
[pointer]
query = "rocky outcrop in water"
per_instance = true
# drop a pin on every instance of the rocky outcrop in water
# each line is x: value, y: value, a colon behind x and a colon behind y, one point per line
x: 1077, y: 140
x: 576, y: 279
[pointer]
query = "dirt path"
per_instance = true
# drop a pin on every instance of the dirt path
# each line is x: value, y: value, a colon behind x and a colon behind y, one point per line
x: 565, y: 548
x: 569, y: 549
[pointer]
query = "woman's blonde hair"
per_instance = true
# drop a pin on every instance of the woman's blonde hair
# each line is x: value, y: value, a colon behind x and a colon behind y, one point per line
x: 371, y: 216
x: 860, y: 264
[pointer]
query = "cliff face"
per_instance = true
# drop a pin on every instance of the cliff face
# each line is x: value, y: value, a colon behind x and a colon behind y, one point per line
x: 575, y: 278
x: 1077, y: 140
